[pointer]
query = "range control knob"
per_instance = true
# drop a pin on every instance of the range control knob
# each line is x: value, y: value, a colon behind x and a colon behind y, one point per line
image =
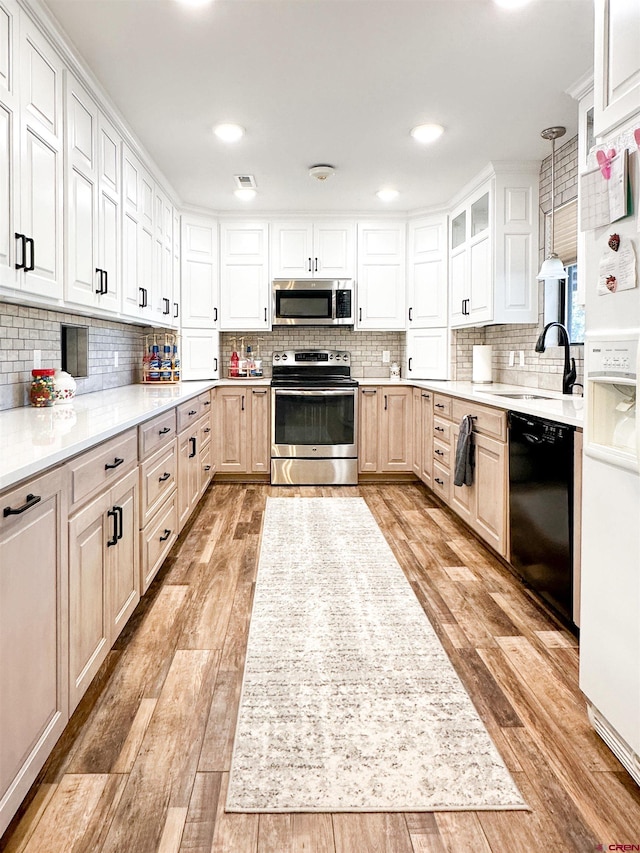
x: 331, y: 357
x: 276, y: 357
x: 345, y: 357
x: 284, y: 356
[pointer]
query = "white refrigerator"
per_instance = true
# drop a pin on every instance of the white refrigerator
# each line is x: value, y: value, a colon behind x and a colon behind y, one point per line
x: 610, y: 565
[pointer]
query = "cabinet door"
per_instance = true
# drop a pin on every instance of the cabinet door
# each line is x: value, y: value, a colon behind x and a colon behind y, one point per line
x: 417, y: 432
x: 463, y: 498
x: 396, y: 448
x: 188, y: 473
x: 368, y: 430
x: 231, y: 434
x: 427, y: 354
x: 480, y: 282
x: 616, y: 63
x: 427, y: 274
x: 200, y: 357
x: 245, y: 287
x: 199, y: 279
x: 334, y: 245
x: 163, y: 257
x: 292, y: 250
x: 491, y: 492
x: 82, y: 281
x: 109, y: 213
x: 9, y: 144
x: 41, y: 188
x: 33, y: 615
x: 260, y: 442
x: 458, y: 300
x: 92, y: 534
x: 124, y: 566
x: 381, y: 276
x: 426, y: 438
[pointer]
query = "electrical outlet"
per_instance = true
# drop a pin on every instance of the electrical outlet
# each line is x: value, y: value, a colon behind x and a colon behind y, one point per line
x: 512, y: 358
x: 115, y: 358
x: 37, y: 359
x: 386, y: 356
x: 521, y: 358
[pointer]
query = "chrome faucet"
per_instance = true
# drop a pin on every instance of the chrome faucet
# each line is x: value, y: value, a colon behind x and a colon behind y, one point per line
x: 569, y: 372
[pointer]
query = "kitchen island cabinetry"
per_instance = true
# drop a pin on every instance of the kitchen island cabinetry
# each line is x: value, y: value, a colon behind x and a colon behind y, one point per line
x: 616, y: 64
x: 305, y: 249
x: 493, y: 245
x: 34, y: 696
x: 104, y: 578
x: 381, y: 295
x: 243, y: 430
x: 385, y: 429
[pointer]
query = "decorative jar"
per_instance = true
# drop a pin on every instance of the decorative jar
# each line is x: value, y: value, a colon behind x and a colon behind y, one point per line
x: 42, y: 391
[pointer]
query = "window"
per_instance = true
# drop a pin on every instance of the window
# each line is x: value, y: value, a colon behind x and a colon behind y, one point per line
x: 561, y: 299
x: 573, y: 310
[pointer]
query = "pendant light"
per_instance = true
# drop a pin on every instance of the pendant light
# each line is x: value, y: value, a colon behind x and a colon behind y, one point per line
x: 552, y: 267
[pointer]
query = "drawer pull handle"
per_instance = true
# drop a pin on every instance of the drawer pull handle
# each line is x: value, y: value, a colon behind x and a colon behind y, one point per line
x: 440, y: 452
x: 164, y: 477
x: 439, y: 429
x: 207, y: 467
x: 206, y: 430
x: 117, y: 461
x: 369, y: 391
x: 167, y: 534
x: 253, y: 391
x: 207, y: 403
x: 32, y: 500
x: 439, y: 405
x: 164, y: 431
x: 427, y: 396
x: 192, y: 412
x: 439, y: 481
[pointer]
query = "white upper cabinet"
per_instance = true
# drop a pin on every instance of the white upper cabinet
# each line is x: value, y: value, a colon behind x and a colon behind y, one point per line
x: 139, y: 285
x: 381, y: 275
x: 616, y: 63
x: 245, y: 286
x: 493, y: 249
x: 427, y: 354
x: 305, y: 249
x: 165, y: 300
x: 31, y: 167
x: 427, y: 273
x: 199, y: 277
x: 93, y: 151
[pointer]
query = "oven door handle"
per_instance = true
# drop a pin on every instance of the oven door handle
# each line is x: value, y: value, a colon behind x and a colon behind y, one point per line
x: 294, y: 392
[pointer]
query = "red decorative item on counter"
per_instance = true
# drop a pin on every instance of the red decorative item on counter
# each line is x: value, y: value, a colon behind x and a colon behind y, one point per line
x: 42, y: 392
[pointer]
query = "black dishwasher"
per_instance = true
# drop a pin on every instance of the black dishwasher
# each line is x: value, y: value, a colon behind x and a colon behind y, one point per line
x: 541, y: 507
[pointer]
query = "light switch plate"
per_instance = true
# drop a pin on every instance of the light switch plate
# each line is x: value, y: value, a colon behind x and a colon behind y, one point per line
x: 386, y: 356
x: 37, y: 359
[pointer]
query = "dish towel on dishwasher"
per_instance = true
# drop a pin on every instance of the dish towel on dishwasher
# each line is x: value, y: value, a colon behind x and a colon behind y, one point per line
x: 464, y: 453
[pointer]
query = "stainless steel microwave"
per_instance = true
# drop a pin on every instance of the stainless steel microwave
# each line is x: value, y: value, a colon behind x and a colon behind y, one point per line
x: 313, y: 302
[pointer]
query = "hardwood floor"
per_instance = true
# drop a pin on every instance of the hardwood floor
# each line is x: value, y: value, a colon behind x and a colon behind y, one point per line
x: 143, y: 765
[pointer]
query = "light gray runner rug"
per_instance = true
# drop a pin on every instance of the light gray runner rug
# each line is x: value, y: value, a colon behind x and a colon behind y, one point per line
x: 349, y: 702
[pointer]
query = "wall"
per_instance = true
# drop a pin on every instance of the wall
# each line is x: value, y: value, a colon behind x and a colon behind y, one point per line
x: 24, y: 329
x: 541, y: 370
x: 365, y: 347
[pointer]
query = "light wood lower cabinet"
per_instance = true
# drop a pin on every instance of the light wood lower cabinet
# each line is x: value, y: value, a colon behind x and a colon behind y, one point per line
x: 157, y: 538
x: 34, y: 705
x: 243, y: 431
x: 191, y: 474
x: 104, y: 578
x: 385, y: 443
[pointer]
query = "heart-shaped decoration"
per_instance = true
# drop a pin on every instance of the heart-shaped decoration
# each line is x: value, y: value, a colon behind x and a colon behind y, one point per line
x: 614, y: 242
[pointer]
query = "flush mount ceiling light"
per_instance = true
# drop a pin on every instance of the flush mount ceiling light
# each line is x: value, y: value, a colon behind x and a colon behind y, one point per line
x: 552, y: 267
x: 245, y: 194
x: 229, y: 132
x: 426, y: 133
x: 387, y: 194
x: 321, y: 172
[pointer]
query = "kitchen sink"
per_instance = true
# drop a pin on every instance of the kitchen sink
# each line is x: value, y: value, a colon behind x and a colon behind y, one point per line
x: 524, y: 396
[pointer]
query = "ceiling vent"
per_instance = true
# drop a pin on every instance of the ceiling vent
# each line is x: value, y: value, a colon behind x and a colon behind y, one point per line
x: 245, y: 182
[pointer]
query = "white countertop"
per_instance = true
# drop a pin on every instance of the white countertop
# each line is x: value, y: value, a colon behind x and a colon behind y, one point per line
x: 564, y: 408
x: 35, y: 439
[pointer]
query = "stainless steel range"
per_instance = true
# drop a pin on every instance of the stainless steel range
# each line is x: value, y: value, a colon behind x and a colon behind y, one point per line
x: 313, y: 419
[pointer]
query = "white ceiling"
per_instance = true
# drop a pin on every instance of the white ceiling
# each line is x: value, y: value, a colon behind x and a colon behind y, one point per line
x: 334, y: 81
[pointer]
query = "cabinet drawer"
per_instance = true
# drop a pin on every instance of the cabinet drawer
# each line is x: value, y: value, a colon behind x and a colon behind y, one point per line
x: 441, y: 453
x: 442, y: 405
x: 156, y: 433
x: 442, y: 431
x: 205, y: 402
x: 488, y: 420
x: 205, y: 431
x: 441, y: 482
x: 97, y: 469
x: 157, y: 480
x: 156, y: 540
x: 189, y: 412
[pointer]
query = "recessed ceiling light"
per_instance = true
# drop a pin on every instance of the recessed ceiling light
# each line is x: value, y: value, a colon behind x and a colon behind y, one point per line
x: 229, y: 132
x: 426, y: 133
x: 194, y: 3
x: 245, y: 194
x: 511, y: 4
x: 387, y: 194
